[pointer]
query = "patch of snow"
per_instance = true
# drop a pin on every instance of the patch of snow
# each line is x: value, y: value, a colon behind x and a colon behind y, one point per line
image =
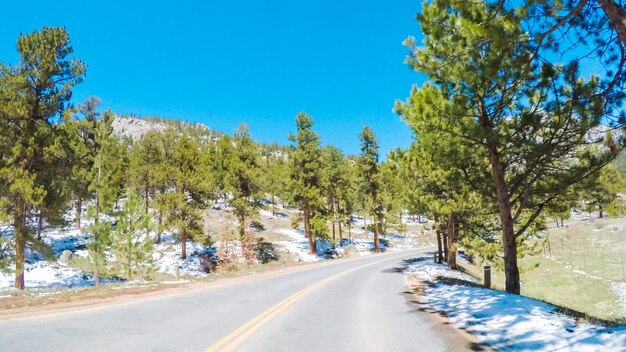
x: 620, y: 289
x: 268, y: 214
x: 298, y: 245
x: 428, y: 270
x: 43, y: 275
x: 167, y: 257
x: 174, y: 282
x: 511, y: 322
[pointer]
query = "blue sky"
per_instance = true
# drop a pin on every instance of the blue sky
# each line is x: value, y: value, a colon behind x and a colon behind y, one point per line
x: 226, y: 62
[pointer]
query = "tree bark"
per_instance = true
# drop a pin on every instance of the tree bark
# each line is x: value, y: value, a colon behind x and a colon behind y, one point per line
x: 365, y: 224
x: 183, y: 238
x: 444, y: 236
x: 600, y: 212
x: 617, y: 17
x: 147, y: 197
x: 452, y: 263
x: 79, y: 210
x: 511, y: 270
x: 307, y: 228
x: 376, y: 240
x: 340, y: 234
x: 159, y: 238
x: 439, y: 240
x: 39, y: 225
x: 439, y: 246
x: 331, y: 205
x: 20, y: 234
x: 350, y: 232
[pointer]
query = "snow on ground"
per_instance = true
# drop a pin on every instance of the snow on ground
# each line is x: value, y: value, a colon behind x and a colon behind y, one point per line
x: 620, y: 289
x: 298, y: 245
x: 511, y: 322
x: 167, y: 257
x: 72, y: 240
x: 398, y: 241
x: 429, y: 270
x: 411, y: 219
x: 43, y: 274
x: 268, y: 214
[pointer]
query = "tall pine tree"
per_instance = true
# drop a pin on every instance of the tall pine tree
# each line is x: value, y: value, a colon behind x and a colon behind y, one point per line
x: 33, y: 96
x: 369, y: 178
x: 306, y: 168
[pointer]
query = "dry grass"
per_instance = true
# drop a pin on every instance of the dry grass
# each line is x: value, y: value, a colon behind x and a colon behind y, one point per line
x: 577, y: 268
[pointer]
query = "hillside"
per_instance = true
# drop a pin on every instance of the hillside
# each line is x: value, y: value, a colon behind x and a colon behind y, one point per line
x: 134, y: 127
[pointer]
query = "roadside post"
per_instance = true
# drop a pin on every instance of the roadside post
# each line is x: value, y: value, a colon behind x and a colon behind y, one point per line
x: 487, y: 280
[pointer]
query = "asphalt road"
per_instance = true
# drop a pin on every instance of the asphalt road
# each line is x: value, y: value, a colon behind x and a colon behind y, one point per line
x: 357, y: 304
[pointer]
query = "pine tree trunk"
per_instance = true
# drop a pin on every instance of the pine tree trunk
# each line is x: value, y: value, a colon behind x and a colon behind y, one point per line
x: 349, y: 232
x: 79, y: 210
x: 376, y: 240
x: 333, y: 226
x: 20, y: 234
x: 600, y: 212
x: 444, y: 236
x: 452, y: 263
x: 158, y: 240
x: 617, y: 17
x: 439, y: 244
x: 130, y: 256
x: 340, y: 234
x: 39, y: 225
x: 511, y: 270
x: 307, y: 228
x: 147, y: 198
x: 242, y: 227
x: 183, y: 238
x: 96, y: 273
x: 273, y: 205
x: 365, y: 224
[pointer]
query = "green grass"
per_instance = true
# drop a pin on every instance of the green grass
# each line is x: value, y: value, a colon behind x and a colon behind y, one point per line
x: 577, y: 268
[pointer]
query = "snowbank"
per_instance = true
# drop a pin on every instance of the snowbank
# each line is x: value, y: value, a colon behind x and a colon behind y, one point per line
x: 45, y: 275
x: 167, y: 257
x: 298, y: 245
x: 510, y: 322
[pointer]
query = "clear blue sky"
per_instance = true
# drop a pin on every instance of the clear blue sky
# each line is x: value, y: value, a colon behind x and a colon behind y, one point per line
x: 226, y: 62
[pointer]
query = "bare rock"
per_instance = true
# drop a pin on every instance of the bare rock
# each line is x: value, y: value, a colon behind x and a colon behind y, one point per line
x: 351, y: 251
x: 65, y: 257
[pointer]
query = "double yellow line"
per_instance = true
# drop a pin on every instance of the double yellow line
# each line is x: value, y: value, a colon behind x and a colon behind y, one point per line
x: 237, y: 336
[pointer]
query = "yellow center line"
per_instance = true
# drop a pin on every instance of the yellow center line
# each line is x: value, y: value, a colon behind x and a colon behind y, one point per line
x: 237, y: 336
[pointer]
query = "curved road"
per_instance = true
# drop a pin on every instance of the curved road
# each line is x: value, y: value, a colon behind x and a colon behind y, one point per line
x: 357, y: 304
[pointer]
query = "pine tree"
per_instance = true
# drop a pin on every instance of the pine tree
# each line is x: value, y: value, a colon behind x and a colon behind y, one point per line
x: 244, y: 184
x: 104, y: 185
x: 188, y: 189
x: 82, y: 131
x: 600, y: 191
x: 333, y: 179
x: 371, y: 187
x: 525, y: 123
x: 131, y: 241
x: 219, y: 156
x: 146, y: 173
x: 276, y: 176
x: 306, y: 165
x: 346, y: 197
x: 33, y: 97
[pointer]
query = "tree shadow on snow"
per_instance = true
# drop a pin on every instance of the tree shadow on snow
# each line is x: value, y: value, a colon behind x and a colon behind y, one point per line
x: 469, y: 307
